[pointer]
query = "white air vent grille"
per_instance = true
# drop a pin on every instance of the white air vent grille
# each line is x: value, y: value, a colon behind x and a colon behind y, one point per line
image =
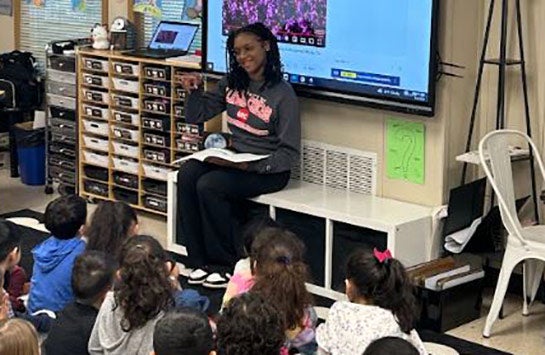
x: 337, y: 167
x: 362, y: 173
x: 313, y: 164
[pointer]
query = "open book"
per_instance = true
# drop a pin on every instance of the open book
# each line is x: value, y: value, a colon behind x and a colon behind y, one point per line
x: 224, y: 154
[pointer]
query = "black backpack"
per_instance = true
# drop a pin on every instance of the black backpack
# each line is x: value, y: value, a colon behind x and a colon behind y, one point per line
x: 19, y: 80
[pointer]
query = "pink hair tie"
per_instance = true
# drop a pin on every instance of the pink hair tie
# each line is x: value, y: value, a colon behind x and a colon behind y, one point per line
x: 382, y: 256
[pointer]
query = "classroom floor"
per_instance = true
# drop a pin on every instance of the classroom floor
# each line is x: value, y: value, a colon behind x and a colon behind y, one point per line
x: 515, y: 333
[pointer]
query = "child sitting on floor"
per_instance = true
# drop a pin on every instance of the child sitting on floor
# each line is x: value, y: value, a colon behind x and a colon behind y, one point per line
x: 17, y: 336
x: 92, y: 277
x: 242, y: 279
x: 50, y: 286
x: 250, y: 324
x: 111, y: 224
x: 381, y: 304
x: 279, y: 276
x: 141, y: 296
x: 10, y: 254
x: 183, y: 331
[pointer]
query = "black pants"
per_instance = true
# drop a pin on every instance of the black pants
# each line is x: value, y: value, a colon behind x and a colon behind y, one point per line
x: 207, y: 196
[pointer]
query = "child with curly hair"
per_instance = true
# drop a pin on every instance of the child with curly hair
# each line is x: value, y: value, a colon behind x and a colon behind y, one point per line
x: 142, y: 295
x: 250, y: 325
x: 382, y: 303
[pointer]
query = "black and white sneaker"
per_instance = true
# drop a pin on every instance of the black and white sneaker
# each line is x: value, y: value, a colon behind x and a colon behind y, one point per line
x: 197, y: 276
x: 217, y: 280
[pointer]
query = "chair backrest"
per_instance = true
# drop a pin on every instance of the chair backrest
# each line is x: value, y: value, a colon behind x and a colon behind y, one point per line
x: 496, y: 162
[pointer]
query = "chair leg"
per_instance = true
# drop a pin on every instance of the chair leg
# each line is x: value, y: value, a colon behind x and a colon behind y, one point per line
x: 499, y: 294
x: 527, y: 273
x: 533, y: 275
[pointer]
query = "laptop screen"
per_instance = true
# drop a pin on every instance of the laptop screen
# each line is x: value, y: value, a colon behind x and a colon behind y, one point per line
x: 173, y: 35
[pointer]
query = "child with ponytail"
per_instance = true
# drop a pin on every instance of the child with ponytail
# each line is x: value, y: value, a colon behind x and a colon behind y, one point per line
x: 280, y: 275
x: 382, y: 303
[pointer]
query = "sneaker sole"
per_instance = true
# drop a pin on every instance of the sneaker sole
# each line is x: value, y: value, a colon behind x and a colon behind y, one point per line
x: 195, y: 282
x: 215, y: 286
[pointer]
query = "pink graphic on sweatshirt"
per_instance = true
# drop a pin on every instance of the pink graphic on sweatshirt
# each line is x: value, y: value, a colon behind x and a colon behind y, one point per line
x: 258, y: 106
x: 255, y: 103
x: 247, y: 127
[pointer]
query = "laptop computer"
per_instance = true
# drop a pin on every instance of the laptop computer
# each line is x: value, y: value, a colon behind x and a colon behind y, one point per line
x: 171, y: 39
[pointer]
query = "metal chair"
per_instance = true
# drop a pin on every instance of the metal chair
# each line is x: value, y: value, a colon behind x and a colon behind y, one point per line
x: 524, y: 244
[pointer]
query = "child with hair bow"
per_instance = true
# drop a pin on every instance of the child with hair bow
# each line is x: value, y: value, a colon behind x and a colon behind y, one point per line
x: 381, y: 303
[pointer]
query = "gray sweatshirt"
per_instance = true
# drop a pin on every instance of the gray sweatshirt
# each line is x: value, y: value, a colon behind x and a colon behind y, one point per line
x: 107, y: 336
x: 263, y: 120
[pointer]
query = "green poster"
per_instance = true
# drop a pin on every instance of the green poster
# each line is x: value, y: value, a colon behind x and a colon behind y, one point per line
x: 405, y: 150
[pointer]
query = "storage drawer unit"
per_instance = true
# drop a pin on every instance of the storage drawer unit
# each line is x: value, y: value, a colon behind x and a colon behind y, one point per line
x: 61, y: 123
x: 127, y: 127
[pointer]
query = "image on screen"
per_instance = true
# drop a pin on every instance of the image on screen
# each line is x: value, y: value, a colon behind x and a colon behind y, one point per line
x: 173, y: 35
x: 300, y: 22
x: 167, y: 37
x: 380, y: 53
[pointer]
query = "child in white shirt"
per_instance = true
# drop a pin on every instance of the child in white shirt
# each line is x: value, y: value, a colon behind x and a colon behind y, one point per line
x: 381, y: 304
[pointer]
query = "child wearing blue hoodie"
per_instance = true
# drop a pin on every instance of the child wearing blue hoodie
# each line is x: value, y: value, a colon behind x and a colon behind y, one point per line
x: 50, y: 285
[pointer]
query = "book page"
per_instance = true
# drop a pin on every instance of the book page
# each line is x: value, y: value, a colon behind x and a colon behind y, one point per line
x: 224, y: 154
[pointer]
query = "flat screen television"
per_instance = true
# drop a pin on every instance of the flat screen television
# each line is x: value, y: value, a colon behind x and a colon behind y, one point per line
x: 378, y: 53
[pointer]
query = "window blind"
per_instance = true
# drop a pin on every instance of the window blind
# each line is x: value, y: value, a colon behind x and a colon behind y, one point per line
x: 55, y: 20
x: 172, y: 11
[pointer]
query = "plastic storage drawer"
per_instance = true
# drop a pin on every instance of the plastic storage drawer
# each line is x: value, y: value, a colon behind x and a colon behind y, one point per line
x: 66, y: 150
x: 61, y: 77
x: 62, y: 162
x: 95, y: 127
x: 126, y: 164
x: 155, y: 172
x: 181, y: 94
x: 126, y: 133
x: 157, y: 155
x: 157, y: 89
x: 155, y: 203
x: 190, y: 128
x: 96, y: 96
x: 66, y: 126
x: 157, y: 73
x: 96, y: 158
x: 61, y: 112
x: 95, y: 143
x: 155, y: 186
x: 96, y: 80
x: 95, y: 64
x: 61, y: 101
x: 126, y: 117
x: 126, y: 85
x: 179, y: 111
x: 94, y: 172
x: 125, y: 149
x: 96, y: 112
x: 59, y: 137
x: 124, y: 195
x: 125, y: 68
x: 156, y: 123
x: 157, y: 105
x: 126, y: 180
x: 62, y: 63
x: 57, y: 88
x: 125, y: 101
x: 95, y: 188
x: 62, y: 175
x: 156, y: 139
